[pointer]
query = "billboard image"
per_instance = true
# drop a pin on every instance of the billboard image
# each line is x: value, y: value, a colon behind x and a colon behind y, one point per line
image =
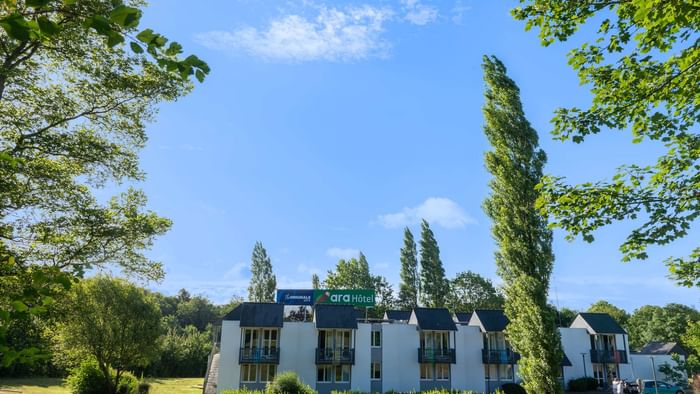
x: 295, y: 297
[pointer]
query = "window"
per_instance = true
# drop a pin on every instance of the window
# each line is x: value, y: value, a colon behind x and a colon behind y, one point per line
x: 434, y: 340
x: 269, y: 341
x: 376, y: 371
x: 505, y: 372
x: 250, y: 338
x: 267, y: 372
x: 376, y: 338
x: 324, y: 374
x: 342, y: 373
x: 442, y: 371
x: 426, y: 372
x: 249, y: 373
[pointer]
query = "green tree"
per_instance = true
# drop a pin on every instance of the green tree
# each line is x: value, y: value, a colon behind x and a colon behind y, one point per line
x: 620, y: 315
x: 410, y: 278
x: 197, y: 311
x: 524, y: 257
x: 384, y: 296
x: 434, y: 285
x: 643, y: 69
x: 654, y: 323
x: 350, y: 274
x: 73, y: 108
x: 470, y: 291
x: 566, y: 316
x: 111, y: 321
x: 315, y: 282
x: 262, y: 281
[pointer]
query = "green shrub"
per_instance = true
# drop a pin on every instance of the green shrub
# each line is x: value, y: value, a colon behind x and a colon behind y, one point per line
x: 88, y: 379
x: 583, y: 384
x: 241, y: 391
x: 513, y: 388
x: 288, y: 383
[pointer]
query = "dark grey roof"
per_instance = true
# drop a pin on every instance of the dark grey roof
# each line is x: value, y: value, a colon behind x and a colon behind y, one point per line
x: 397, y: 315
x: 565, y: 362
x: 463, y: 317
x: 434, y: 319
x: 491, y: 320
x: 662, y: 348
x: 601, y: 323
x: 257, y: 314
x: 335, y: 316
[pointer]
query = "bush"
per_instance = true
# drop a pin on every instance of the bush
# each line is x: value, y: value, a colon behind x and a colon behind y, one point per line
x: 241, y: 391
x: 88, y: 379
x: 513, y: 388
x: 288, y: 383
x: 583, y: 384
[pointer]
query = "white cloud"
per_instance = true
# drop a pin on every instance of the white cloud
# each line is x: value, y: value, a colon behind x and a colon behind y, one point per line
x: 418, y: 13
x: 343, y: 253
x: 436, y: 210
x: 308, y: 269
x: 353, y: 33
x: 458, y: 12
x: 238, y: 271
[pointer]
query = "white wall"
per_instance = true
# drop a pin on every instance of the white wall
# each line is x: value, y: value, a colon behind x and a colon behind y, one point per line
x: 626, y: 370
x: 360, y: 378
x: 229, y: 371
x: 298, y: 342
x: 640, y: 365
x: 400, y: 358
x: 575, y: 341
x: 468, y: 372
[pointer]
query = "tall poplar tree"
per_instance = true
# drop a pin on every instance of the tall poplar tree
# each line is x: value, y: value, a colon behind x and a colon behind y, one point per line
x: 315, y: 281
x: 410, y: 281
x: 524, y: 256
x: 262, y: 282
x: 434, y: 284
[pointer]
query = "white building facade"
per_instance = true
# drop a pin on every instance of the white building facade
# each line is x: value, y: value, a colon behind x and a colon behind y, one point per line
x: 406, y: 351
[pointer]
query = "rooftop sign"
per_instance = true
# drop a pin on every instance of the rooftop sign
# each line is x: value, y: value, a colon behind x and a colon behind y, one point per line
x: 356, y: 297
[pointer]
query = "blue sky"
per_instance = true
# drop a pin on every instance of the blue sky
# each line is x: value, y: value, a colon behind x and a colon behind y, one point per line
x: 325, y: 127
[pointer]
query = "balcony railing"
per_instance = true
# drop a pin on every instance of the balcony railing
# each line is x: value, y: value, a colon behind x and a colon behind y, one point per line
x: 259, y: 355
x: 602, y: 356
x: 335, y: 356
x: 499, y: 356
x: 436, y: 355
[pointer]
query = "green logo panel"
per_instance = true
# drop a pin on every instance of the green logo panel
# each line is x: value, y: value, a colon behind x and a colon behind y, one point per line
x: 356, y: 297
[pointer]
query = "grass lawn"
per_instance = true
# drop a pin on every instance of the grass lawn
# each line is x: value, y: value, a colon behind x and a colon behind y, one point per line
x: 55, y: 386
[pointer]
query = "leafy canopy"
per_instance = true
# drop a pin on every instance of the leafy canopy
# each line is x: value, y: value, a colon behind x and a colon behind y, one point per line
x: 434, y: 286
x: 111, y: 321
x: 74, y: 102
x: 263, y: 282
x: 524, y: 257
x: 410, y: 277
x: 643, y: 69
x: 470, y: 291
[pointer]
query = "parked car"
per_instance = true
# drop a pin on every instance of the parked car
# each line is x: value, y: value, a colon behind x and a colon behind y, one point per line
x: 664, y: 388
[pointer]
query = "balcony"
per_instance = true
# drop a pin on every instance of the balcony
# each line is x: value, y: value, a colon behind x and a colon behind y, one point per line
x: 335, y: 356
x: 436, y: 355
x: 602, y: 356
x: 259, y: 355
x: 499, y: 356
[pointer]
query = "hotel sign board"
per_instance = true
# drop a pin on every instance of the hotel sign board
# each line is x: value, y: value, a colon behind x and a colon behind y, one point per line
x: 295, y: 297
x: 355, y: 297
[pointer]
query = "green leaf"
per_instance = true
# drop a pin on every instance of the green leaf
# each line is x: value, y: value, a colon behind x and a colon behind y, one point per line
x: 19, y: 306
x: 199, y: 75
x: 100, y: 24
x: 16, y: 27
x: 114, y: 38
x: 47, y: 26
x: 124, y: 16
x: 174, y: 49
x: 4, y: 315
x: 146, y: 36
x: 136, y: 47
